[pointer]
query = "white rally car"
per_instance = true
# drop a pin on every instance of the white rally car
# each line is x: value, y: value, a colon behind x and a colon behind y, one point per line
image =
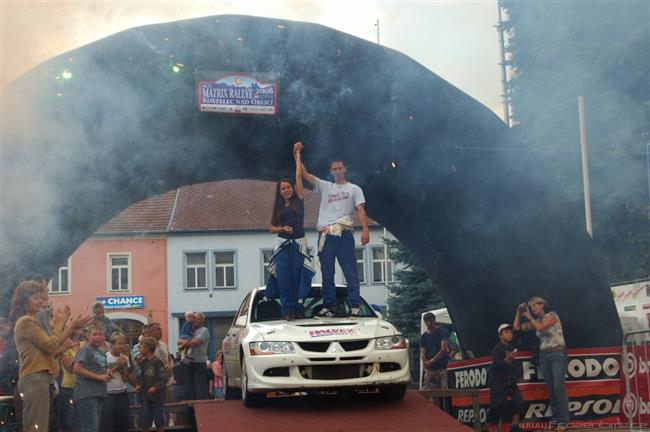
x: 263, y: 353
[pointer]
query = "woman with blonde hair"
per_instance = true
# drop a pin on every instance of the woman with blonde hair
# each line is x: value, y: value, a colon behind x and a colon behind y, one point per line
x: 36, y: 349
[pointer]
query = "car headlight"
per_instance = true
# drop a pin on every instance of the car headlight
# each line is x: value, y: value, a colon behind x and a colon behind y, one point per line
x: 268, y: 348
x: 390, y: 342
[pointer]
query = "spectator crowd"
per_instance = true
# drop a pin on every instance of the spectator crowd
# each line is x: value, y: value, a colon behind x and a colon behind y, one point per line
x: 78, y: 373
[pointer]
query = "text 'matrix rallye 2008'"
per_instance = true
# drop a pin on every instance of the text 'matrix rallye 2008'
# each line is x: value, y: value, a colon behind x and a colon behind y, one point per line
x: 263, y: 353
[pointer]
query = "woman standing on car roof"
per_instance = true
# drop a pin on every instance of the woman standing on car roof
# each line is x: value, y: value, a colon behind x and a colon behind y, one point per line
x: 290, y: 264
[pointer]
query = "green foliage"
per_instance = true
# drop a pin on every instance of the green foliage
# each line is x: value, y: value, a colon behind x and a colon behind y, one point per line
x: 411, y: 293
x: 599, y: 50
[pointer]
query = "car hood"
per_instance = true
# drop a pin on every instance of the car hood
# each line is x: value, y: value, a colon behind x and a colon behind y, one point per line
x: 315, y: 330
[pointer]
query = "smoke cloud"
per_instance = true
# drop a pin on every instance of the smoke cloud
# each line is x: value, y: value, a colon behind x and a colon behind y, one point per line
x: 127, y: 126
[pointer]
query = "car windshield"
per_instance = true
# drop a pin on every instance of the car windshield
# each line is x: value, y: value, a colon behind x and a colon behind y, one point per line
x: 270, y: 309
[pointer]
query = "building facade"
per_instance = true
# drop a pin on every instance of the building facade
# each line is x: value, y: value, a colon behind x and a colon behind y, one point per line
x: 200, y: 248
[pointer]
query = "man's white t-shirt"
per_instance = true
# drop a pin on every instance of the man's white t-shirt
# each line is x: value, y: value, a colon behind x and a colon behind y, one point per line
x: 337, y: 201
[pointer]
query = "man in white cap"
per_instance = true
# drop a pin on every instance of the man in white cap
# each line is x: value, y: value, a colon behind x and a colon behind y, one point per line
x: 504, y: 372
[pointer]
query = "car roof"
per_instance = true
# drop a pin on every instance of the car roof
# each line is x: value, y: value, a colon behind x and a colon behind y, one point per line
x: 262, y: 288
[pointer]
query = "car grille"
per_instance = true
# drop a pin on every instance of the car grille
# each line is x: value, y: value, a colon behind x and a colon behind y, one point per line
x: 323, y: 346
x: 351, y: 358
x: 314, y: 346
x: 334, y: 372
x: 354, y: 345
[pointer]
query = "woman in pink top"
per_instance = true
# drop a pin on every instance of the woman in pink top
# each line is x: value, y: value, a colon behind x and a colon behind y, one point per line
x: 217, y: 370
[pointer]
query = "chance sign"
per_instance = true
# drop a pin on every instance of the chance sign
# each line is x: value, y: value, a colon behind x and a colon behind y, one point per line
x: 122, y: 302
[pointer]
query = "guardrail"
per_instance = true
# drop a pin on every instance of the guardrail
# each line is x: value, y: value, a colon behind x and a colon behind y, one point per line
x: 636, y: 370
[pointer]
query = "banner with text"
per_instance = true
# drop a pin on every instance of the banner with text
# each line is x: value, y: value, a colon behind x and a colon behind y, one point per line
x: 636, y: 399
x: 237, y: 93
x: 593, y: 385
x: 122, y: 302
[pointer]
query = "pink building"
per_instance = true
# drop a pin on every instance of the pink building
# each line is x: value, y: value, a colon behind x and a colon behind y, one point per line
x: 123, y: 265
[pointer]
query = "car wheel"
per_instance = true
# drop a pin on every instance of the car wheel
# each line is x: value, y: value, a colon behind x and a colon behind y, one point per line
x: 251, y: 400
x: 229, y: 393
x: 393, y: 392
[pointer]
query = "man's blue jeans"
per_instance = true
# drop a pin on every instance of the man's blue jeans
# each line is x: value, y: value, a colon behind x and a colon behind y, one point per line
x: 342, y: 249
x: 554, y: 367
x: 90, y: 413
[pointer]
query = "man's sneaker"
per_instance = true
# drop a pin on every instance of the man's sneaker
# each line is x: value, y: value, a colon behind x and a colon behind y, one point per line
x: 355, y: 311
x: 324, y: 313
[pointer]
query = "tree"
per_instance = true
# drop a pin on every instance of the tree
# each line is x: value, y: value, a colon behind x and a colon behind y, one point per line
x: 411, y: 293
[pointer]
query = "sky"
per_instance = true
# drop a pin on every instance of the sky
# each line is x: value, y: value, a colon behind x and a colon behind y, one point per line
x: 455, y: 39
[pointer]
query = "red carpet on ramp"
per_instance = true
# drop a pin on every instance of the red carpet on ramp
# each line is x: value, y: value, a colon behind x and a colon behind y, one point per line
x: 365, y: 413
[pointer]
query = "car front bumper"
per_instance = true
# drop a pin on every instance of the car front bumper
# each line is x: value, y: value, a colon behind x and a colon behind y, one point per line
x: 325, y: 371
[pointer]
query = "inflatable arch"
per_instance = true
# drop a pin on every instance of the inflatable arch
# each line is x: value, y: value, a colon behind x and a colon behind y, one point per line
x: 90, y: 132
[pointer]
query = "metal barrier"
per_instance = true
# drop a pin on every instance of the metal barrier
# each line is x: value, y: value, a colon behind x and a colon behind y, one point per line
x: 635, y: 363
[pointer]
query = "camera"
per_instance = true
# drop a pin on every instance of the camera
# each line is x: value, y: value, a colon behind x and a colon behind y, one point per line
x: 523, y: 308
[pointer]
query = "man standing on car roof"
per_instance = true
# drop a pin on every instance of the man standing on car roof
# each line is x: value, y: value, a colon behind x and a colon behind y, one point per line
x: 339, y: 201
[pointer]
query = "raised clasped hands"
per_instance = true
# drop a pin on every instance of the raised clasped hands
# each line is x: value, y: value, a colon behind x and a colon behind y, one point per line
x: 298, y: 147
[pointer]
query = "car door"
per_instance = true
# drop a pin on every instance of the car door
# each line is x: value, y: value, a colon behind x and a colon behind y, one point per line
x: 232, y: 341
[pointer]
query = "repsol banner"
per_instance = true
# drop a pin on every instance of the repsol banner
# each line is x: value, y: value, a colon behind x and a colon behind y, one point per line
x: 593, y: 385
x: 593, y: 409
x: 582, y: 366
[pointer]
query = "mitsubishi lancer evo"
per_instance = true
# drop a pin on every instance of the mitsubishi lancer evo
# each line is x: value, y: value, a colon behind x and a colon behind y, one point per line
x: 265, y: 354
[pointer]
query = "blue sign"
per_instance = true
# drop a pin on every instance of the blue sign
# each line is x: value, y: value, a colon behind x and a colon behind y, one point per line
x: 122, y: 302
x: 238, y: 94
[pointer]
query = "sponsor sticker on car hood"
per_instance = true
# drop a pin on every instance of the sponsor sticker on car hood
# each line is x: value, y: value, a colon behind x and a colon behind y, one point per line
x: 333, y: 332
x: 305, y: 330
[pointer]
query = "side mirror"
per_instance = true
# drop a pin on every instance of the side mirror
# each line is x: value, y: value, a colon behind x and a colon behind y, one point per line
x: 241, y: 321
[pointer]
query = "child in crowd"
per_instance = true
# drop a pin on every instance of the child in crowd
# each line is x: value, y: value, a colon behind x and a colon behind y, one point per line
x: 91, y: 368
x: 117, y: 399
x: 152, y: 385
x: 67, y: 417
x: 217, y: 380
x: 187, y: 333
x: 506, y: 402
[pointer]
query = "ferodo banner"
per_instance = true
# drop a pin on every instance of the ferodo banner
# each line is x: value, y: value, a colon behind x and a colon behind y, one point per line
x: 593, y: 385
x: 581, y: 367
